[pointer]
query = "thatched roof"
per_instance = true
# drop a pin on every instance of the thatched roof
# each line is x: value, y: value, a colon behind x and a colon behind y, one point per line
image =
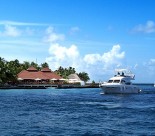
x: 74, y: 76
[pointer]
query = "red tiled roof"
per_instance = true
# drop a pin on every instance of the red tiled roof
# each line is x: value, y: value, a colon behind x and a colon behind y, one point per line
x: 46, y: 70
x: 33, y: 74
x: 51, y: 75
x: 32, y: 69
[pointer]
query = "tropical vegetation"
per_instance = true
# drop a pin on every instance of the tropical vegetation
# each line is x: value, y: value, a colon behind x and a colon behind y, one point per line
x: 65, y: 72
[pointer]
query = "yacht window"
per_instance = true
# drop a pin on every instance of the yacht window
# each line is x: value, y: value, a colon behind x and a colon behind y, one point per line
x: 110, y: 81
x: 116, y: 81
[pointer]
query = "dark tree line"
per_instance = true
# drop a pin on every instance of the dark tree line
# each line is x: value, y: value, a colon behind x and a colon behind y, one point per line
x: 10, y: 69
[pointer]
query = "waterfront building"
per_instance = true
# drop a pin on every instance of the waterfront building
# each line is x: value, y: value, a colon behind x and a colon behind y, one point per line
x: 32, y: 75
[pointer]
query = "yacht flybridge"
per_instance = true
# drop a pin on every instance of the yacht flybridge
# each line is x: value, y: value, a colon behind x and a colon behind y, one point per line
x: 120, y: 83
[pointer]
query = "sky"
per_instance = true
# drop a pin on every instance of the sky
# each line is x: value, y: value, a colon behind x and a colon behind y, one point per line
x: 93, y: 36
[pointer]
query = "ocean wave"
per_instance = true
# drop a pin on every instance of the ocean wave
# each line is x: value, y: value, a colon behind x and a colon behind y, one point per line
x: 105, y: 105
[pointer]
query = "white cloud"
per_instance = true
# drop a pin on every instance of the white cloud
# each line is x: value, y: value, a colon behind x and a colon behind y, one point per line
x: 150, y: 66
x: 113, y: 55
x: 49, y: 30
x: 149, y: 27
x: 109, y: 58
x: 5, y: 22
x: 15, y: 29
x: 29, y: 31
x: 11, y: 31
x: 92, y: 58
x: 148, y: 70
x: 61, y: 52
x: 62, y: 56
x: 74, y: 30
x: 53, y: 37
x: 151, y: 62
x: 93, y: 64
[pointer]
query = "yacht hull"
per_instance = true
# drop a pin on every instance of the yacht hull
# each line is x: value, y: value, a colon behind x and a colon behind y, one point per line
x: 119, y: 89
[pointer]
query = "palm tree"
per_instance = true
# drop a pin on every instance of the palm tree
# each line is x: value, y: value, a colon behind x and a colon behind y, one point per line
x: 84, y: 76
x: 44, y: 65
x: 26, y: 65
x: 2, y: 70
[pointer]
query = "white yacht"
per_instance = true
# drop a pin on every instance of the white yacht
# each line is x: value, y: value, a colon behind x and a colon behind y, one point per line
x: 120, y: 83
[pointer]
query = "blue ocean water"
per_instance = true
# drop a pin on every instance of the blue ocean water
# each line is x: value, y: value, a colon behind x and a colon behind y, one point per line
x: 76, y: 112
